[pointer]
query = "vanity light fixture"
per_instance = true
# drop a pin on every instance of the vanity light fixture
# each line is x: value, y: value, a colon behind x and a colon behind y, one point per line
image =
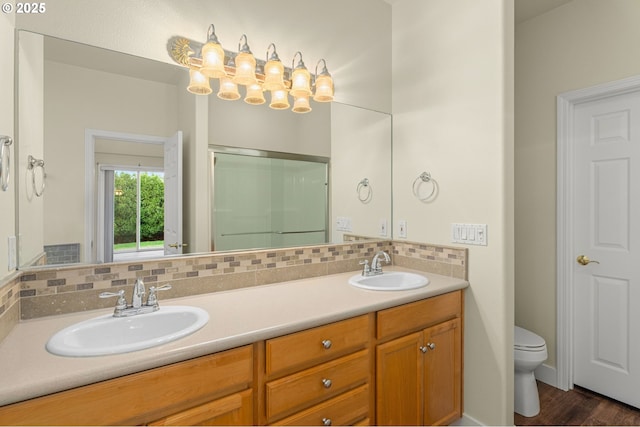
x: 210, y: 61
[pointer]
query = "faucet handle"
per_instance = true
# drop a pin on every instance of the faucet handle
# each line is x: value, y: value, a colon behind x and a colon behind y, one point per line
x: 121, y: 304
x: 153, y: 298
x: 365, y: 269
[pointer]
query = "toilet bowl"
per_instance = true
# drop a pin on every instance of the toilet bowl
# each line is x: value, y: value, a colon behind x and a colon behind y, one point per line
x: 529, y: 351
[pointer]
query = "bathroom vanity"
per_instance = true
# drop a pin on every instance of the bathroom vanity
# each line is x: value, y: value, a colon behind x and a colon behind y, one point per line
x: 307, y: 352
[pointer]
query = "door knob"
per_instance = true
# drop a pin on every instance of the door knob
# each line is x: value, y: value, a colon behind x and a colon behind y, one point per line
x: 584, y: 260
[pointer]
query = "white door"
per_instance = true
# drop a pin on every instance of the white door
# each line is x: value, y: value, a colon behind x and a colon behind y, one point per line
x: 606, y: 221
x: 173, y: 243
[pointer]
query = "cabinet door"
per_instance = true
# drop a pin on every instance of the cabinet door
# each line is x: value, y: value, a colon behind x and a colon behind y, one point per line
x: 443, y: 373
x: 236, y: 409
x: 399, y: 378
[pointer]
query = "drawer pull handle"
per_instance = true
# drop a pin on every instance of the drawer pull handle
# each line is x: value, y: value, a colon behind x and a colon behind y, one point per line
x: 326, y: 383
x: 326, y: 344
x: 326, y: 421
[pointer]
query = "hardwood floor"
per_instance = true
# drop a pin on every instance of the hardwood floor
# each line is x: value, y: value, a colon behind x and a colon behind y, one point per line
x: 579, y: 407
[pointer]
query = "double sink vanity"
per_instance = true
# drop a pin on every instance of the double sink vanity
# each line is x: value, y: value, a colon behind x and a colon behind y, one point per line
x: 341, y: 349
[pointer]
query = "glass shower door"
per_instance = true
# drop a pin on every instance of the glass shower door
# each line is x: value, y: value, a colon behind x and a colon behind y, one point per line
x: 266, y: 202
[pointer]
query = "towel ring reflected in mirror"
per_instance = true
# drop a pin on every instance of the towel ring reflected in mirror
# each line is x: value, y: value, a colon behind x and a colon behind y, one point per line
x: 5, y: 161
x: 424, y: 177
x: 364, y: 191
x: 32, y: 165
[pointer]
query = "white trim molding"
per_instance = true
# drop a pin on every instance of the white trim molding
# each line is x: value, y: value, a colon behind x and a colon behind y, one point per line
x: 566, y: 103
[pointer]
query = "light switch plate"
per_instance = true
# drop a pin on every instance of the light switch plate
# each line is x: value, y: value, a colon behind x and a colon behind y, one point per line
x: 12, y: 261
x: 402, y: 229
x: 469, y: 234
x: 383, y: 228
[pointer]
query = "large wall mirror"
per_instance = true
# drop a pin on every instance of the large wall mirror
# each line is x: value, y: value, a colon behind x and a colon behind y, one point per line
x: 95, y: 130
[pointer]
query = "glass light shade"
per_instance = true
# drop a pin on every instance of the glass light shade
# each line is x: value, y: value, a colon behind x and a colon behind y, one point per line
x: 324, y: 89
x: 279, y: 100
x: 198, y: 82
x: 228, y: 89
x: 254, y: 95
x: 301, y: 104
x: 300, y: 82
x: 213, y: 60
x: 245, y: 69
x: 273, y: 76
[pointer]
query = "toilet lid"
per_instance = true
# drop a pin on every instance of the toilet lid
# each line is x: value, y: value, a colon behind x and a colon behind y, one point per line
x: 526, y: 339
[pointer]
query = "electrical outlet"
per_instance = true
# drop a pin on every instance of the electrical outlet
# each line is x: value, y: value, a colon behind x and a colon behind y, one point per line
x: 402, y: 228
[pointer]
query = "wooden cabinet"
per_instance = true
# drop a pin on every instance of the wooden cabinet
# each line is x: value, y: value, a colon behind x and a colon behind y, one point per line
x: 419, y: 374
x: 401, y: 366
x: 233, y: 410
x: 320, y: 376
x: 146, y: 396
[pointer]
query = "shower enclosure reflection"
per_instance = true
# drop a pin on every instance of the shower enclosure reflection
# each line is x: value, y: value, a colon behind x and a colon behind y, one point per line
x: 263, y: 199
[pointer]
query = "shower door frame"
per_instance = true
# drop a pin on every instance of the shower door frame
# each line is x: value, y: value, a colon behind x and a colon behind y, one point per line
x: 213, y: 149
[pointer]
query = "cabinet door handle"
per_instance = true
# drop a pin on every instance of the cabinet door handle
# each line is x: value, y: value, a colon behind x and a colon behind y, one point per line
x: 326, y: 421
x: 429, y: 346
x: 326, y: 344
x: 326, y: 383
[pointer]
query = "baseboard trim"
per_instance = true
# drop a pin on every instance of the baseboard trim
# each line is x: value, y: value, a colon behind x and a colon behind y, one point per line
x: 547, y: 374
x: 466, y: 420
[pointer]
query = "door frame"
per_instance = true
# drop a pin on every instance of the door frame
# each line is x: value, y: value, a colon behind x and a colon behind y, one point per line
x: 566, y: 103
x: 91, y: 178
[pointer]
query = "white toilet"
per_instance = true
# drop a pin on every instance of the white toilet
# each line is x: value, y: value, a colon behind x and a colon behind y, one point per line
x: 529, y: 351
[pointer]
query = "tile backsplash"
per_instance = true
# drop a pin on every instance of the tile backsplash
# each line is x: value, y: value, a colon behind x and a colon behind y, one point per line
x: 46, y: 292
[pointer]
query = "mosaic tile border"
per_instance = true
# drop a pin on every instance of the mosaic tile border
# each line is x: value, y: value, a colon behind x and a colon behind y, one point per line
x: 9, y: 303
x: 70, y: 289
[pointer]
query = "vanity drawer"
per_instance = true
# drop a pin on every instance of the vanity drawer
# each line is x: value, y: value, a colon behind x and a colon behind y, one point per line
x: 142, y: 397
x: 302, y: 389
x: 350, y: 408
x: 420, y: 314
x: 313, y: 346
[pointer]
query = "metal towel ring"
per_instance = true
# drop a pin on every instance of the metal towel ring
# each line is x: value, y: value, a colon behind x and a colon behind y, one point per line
x: 422, y: 178
x: 33, y: 165
x: 5, y: 161
x: 364, y: 184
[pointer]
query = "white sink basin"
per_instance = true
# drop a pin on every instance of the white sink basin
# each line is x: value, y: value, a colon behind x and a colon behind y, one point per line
x: 390, y: 281
x: 113, y: 335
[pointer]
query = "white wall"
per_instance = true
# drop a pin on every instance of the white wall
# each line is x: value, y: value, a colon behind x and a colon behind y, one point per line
x: 578, y: 45
x: 452, y: 117
x: 7, y: 198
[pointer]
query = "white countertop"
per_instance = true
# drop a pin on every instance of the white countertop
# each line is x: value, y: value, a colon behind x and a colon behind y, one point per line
x: 237, y: 318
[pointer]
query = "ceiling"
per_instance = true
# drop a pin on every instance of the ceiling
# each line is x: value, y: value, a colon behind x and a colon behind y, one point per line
x: 526, y: 9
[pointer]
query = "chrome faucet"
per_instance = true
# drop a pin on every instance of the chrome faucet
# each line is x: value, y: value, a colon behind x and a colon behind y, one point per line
x: 136, y: 307
x: 138, y: 293
x: 376, y: 267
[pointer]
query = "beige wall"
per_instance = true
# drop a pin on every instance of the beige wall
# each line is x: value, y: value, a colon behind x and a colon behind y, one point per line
x: 30, y: 143
x: 452, y: 106
x: 7, y: 198
x: 580, y: 44
x: 79, y: 98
